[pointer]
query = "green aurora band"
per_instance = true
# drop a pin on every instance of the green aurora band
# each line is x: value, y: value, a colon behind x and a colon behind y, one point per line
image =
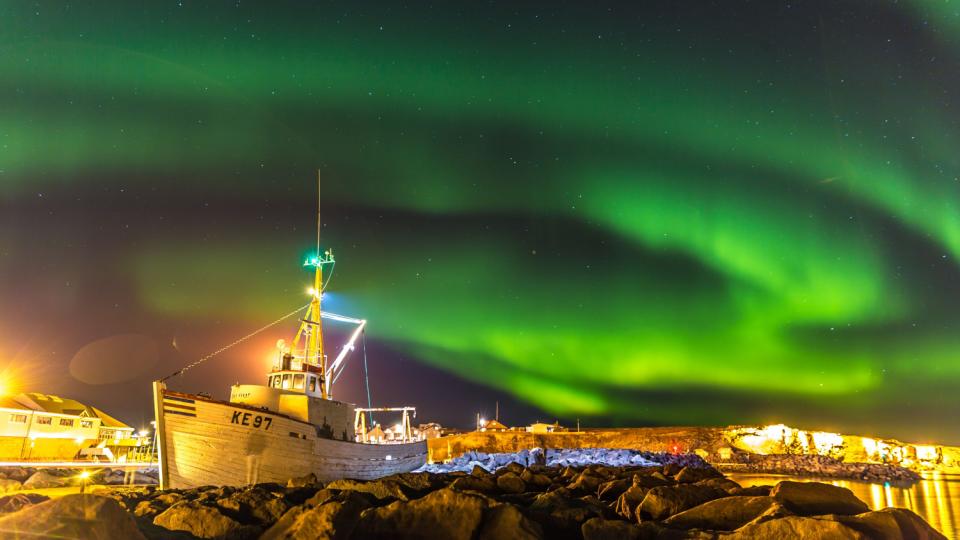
x: 597, y: 213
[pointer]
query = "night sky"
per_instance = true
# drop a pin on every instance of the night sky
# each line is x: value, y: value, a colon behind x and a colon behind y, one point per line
x: 667, y: 213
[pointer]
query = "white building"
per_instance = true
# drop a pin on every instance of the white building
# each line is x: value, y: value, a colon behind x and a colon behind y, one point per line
x: 35, y: 426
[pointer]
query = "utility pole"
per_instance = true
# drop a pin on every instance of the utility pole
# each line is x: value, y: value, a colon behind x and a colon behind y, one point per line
x: 497, y: 415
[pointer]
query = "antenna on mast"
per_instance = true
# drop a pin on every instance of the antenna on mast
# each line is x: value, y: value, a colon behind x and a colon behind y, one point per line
x: 318, y: 212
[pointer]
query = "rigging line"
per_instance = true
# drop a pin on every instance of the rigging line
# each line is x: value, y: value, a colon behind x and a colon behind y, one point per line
x: 366, y: 375
x: 329, y: 276
x: 237, y: 342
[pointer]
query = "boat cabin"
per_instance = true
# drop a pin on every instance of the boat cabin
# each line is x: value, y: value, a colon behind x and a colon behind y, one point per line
x: 292, y: 374
x: 295, y: 388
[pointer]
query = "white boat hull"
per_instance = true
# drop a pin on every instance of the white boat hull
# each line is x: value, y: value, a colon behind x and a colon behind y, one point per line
x: 209, y: 442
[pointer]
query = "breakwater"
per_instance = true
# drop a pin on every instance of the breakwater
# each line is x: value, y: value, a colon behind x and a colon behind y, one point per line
x: 514, y: 501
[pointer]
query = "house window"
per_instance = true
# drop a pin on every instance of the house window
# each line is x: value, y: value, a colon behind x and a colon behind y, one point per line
x: 86, y: 423
x: 66, y: 422
x: 18, y: 418
x: 45, y: 420
x: 298, y: 382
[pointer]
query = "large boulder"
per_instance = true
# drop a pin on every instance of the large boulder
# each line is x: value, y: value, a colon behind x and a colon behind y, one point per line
x: 19, y: 474
x: 148, y: 509
x: 307, y: 480
x: 511, y: 483
x: 18, y: 501
x: 609, y: 491
x: 45, y: 479
x: 723, y: 484
x: 128, y: 497
x: 537, y: 480
x: 413, y: 482
x: 198, y: 520
x: 648, y: 481
x: 506, y: 521
x: 628, y: 502
x: 79, y: 515
x: 892, y: 524
x: 559, y: 511
x: 665, y: 501
x: 815, y: 498
x: 7, y: 485
x: 587, y: 481
x: 381, y: 489
x: 689, y: 475
x: 332, y: 520
x: 480, y: 472
x: 610, y: 529
x: 264, y: 507
x: 752, y: 491
x: 725, y: 514
x: 474, y: 483
x: 800, y: 528
x: 445, y: 513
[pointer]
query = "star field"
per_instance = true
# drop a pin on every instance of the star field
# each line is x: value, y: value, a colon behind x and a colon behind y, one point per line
x: 656, y: 214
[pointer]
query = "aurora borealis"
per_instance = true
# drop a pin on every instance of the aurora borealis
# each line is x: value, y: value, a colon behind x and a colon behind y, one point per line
x: 662, y: 214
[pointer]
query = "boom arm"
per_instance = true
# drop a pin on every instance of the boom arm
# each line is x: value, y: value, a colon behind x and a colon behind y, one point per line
x: 333, y: 372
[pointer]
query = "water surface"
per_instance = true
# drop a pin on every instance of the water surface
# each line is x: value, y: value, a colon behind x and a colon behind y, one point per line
x: 936, y: 498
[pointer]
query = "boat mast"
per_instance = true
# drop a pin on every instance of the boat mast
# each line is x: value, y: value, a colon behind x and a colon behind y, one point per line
x: 311, y: 326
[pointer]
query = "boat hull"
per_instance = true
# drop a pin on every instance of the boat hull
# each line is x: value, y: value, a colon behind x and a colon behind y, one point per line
x: 209, y: 442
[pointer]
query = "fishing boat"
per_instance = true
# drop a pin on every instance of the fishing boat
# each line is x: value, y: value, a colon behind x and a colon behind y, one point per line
x: 289, y: 427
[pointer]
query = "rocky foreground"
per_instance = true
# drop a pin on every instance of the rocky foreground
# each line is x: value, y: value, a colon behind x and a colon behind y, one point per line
x: 820, y: 467
x: 515, y: 501
x: 14, y: 479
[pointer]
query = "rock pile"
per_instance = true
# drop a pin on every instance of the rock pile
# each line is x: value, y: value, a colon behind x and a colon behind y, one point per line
x: 16, y: 478
x: 514, y: 501
x: 820, y: 467
x: 564, y: 457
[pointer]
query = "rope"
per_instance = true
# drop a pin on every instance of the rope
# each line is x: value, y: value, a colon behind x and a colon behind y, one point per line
x: 237, y: 342
x: 329, y: 276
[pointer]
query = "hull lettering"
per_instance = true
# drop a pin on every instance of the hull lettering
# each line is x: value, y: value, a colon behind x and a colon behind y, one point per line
x: 252, y: 420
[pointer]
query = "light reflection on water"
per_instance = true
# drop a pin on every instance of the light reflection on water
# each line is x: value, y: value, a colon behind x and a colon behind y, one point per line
x: 936, y: 498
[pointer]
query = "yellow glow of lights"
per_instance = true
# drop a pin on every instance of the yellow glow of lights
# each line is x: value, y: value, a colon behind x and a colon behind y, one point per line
x: 825, y: 442
x: 84, y: 475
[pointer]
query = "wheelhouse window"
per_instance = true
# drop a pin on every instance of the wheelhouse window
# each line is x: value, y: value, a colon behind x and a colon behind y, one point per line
x: 285, y: 384
x: 18, y: 418
x: 298, y: 381
x: 45, y: 420
x: 313, y: 383
x: 66, y: 422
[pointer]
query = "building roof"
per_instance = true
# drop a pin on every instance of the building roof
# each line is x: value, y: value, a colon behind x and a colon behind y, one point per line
x: 108, y: 421
x: 54, y: 404
x: 59, y: 405
x: 9, y: 403
x: 493, y: 424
